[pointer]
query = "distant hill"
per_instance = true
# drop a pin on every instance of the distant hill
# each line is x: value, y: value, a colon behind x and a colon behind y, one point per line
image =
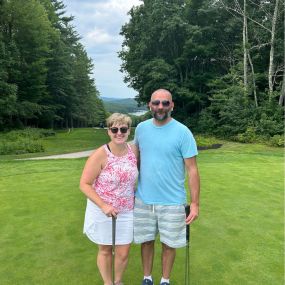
x: 122, y: 105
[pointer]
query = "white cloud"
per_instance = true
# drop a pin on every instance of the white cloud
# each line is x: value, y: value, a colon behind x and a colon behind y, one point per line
x: 99, y: 36
x: 99, y: 22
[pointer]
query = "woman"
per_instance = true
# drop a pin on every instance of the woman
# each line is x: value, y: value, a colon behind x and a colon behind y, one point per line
x: 108, y: 180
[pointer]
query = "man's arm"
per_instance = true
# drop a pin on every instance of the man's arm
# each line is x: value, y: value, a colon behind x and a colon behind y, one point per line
x: 194, y: 187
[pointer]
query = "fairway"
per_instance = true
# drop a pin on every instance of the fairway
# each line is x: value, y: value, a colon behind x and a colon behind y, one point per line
x: 238, y: 238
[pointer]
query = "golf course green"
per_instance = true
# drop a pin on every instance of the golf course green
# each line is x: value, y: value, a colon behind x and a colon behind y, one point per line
x: 237, y: 240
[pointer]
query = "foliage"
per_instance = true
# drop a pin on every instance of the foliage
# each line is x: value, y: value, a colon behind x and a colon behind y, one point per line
x: 21, y: 146
x: 24, y: 141
x: 194, y: 49
x: 203, y: 141
x: 249, y: 136
x: 231, y: 115
x: 277, y: 141
x: 45, y: 73
x: 29, y: 133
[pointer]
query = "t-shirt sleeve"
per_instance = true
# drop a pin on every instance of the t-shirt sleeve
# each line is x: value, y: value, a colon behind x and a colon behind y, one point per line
x: 188, y: 145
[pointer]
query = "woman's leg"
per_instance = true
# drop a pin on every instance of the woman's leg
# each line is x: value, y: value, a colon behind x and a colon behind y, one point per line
x: 104, y: 263
x: 121, y: 260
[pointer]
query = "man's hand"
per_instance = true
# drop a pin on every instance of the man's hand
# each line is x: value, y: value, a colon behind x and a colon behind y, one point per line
x: 194, y: 213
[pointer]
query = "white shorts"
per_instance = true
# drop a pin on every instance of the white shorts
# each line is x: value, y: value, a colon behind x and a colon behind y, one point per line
x: 98, y: 227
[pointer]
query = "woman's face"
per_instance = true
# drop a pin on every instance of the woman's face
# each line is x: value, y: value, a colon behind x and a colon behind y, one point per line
x: 119, y: 133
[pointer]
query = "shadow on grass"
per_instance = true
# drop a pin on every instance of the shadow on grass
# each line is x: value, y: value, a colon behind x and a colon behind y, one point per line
x: 213, y: 146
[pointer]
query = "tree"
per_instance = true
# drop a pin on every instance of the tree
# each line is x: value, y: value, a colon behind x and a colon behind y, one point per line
x: 164, y: 47
x: 282, y: 94
x: 45, y: 73
x: 267, y: 17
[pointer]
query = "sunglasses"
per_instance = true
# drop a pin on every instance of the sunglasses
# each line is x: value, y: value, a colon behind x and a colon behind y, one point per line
x: 123, y: 130
x: 165, y: 103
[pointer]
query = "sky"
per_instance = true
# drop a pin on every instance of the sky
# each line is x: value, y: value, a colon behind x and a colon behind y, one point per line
x: 99, y: 22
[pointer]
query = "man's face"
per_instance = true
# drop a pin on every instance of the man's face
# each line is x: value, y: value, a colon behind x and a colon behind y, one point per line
x: 161, y: 105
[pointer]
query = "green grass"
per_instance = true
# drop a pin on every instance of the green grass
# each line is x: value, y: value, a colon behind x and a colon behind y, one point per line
x: 238, y: 238
x: 66, y: 142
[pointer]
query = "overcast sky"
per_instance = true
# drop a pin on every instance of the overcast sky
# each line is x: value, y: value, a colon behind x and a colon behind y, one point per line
x: 98, y: 22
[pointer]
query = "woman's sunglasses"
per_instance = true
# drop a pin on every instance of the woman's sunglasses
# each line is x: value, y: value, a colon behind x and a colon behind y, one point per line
x: 165, y: 103
x: 123, y: 130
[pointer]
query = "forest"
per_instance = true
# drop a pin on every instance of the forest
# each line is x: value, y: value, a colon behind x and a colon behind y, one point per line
x: 222, y: 60
x: 45, y: 73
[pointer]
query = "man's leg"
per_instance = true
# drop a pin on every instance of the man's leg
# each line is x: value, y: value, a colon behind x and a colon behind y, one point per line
x: 147, y: 253
x: 167, y: 260
x: 171, y: 224
x: 145, y: 230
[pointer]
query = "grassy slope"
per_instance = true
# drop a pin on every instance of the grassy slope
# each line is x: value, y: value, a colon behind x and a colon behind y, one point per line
x: 66, y: 142
x: 238, y: 238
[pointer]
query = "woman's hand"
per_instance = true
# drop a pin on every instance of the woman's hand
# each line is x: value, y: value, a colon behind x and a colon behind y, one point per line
x: 109, y: 210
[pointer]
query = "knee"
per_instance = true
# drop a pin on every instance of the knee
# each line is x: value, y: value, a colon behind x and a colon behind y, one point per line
x: 122, y: 255
x: 105, y: 250
x: 148, y: 243
x: 167, y: 248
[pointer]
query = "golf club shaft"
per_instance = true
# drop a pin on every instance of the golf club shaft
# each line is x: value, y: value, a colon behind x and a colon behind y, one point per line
x: 187, y: 252
x: 113, y: 247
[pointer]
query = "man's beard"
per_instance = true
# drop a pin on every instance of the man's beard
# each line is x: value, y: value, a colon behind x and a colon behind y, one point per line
x: 161, y: 116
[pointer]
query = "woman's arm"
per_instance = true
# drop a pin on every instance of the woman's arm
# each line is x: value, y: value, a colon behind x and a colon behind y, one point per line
x: 91, y: 171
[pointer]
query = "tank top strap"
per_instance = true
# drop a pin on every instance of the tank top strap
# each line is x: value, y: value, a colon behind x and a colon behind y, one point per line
x: 108, y: 152
x: 130, y: 151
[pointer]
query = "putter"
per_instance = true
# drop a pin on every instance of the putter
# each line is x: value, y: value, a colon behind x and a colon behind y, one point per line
x: 113, y: 247
x: 187, y: 253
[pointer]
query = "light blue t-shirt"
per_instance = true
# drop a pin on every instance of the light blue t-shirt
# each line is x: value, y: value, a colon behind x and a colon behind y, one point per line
x: 162, y: 153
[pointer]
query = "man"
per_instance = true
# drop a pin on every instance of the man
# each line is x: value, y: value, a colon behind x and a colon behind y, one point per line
x: 166, y: 147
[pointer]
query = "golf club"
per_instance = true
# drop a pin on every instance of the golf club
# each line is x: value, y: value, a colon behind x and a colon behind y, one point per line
x: 187, y: 253
x: 113, y: 247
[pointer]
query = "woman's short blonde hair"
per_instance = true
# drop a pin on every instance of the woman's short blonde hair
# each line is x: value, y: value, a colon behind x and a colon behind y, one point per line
x: 118, y: 119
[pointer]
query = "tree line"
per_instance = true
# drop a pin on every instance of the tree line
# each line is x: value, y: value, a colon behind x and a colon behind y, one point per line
x: 45, y: 72
x: 223, y: 61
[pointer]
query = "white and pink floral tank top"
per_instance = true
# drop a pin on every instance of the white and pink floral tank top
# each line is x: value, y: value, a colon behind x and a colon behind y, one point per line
x: 116, y: 183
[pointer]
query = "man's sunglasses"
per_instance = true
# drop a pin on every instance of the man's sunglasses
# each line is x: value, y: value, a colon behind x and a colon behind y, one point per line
x: 123, y: 130
x: 165, y: 103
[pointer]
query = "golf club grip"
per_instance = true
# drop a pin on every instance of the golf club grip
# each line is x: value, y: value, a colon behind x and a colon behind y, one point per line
x: 187, y: 212
x: 113, y: 230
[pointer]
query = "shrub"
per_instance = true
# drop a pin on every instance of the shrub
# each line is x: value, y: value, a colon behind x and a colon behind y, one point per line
x: 249, y: 136
x: 277, y: 141
x: 31, y: 133
x: 24, y: 141
x: 20, y: 146
x: 205, y: 141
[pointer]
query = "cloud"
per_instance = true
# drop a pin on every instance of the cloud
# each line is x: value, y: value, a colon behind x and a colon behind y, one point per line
x: 99, y: 22
x: 100, y: 36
